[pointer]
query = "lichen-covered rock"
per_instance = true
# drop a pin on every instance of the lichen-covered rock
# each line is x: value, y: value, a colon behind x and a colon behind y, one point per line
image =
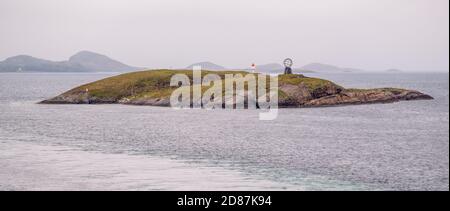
x: 386, y: 95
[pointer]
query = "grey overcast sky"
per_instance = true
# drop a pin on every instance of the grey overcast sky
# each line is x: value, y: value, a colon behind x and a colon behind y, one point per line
x: 370, y: 34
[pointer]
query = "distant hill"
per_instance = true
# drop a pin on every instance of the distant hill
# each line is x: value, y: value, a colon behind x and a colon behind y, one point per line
x: 99, y: 63
x: 83, y: 61
x: 207, y: 66
x: 318, y: 67
x: 270, y: 68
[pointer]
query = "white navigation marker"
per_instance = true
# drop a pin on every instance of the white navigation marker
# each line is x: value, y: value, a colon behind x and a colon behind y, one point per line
x: 253, y: 68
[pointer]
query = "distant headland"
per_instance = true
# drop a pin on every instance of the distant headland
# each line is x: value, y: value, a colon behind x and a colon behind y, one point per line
x: 83, y: 61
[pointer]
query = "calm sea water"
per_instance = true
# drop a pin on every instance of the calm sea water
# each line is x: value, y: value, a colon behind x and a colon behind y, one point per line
x: 400, y: 146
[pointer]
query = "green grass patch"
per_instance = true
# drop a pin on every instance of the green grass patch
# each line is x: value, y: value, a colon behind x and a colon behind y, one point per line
x: 155, y: 84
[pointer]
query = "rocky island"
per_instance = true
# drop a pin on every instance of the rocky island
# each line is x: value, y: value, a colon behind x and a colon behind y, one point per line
x: 153, y: 88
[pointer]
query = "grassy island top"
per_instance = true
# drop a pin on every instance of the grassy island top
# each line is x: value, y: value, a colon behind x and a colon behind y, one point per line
x: 156, y: 84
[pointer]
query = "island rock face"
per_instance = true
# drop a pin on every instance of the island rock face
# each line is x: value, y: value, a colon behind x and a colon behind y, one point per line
x: 153, y: 88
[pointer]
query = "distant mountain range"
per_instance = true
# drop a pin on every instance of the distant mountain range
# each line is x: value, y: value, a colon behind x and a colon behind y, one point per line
x: 278, y: 68
x: 325, y: 68
x: 83, y: 61
x: 207, y: 66
x: 86, y: 61
x: 266, y: 68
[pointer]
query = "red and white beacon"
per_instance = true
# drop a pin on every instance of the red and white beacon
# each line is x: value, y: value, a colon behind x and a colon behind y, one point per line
x: 253, y: 68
